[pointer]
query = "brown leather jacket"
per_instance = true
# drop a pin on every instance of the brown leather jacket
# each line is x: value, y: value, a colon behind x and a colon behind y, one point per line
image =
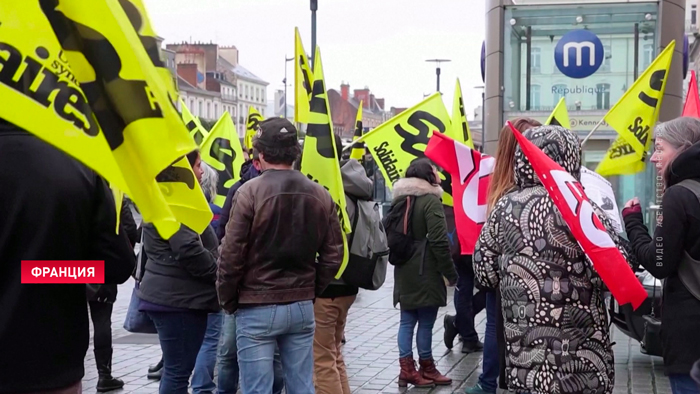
x: 279, y: 222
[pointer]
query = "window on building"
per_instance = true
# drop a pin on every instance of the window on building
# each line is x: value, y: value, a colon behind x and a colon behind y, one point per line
x: 647, y: 55
x: 607, y: 58
x: 216, y: 110
x: 209, y: 111
x: 535, y: 60
x: 534, y: 97
x: 693, y: 14
x: 558, y: 93
x: 602, y: 96
x: 200, y: 112
x: 246, y: 91
x: 191, y: 107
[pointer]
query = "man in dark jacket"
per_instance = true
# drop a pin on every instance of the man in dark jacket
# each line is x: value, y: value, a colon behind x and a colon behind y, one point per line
x: 269, y: 271
x: 249, y: 170
x: 52, y: 208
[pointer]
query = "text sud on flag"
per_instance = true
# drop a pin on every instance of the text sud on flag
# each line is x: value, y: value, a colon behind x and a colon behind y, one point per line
x: 471, y: 173
x: 577, y: 211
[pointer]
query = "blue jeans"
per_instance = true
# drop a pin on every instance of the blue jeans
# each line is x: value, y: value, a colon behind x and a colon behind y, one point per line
x: 203, y: 376
x: 180, y: 335
x: 259, y: 330
x: 488, y: 380
x: 683, y: 384
x: 228, y: 362
x: 467, y: 304
x: 425, y: 317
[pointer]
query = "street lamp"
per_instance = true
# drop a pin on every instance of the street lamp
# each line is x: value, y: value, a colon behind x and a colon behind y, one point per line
x: 286, y: 60
x: 483, y: 121
x: 437, y: 69
x: 314, y: 8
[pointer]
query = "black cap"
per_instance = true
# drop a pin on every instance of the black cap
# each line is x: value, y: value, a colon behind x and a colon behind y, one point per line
x: 276, y: 133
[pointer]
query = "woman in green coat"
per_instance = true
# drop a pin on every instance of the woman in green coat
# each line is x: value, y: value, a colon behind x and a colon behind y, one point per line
x: 418, y: 284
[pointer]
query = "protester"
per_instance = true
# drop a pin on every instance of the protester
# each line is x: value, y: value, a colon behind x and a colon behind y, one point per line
x: 419, y: 286
x: 283, y: 245
x: 227, y: 381
x: 502, y: 182
x: 178, y: 292
x: 555, y: 319
x: 331, y: 307
x: 52, y: 208
x: 675, y: 247
x: 101, y: 298
x: 203, y: 375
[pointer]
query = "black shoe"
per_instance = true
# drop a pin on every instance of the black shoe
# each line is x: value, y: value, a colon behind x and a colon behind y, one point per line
x: 450, y: 331
x: 343, y: 340
x: 108, y: 383
x: 472, y: 347
x: 157, y: 367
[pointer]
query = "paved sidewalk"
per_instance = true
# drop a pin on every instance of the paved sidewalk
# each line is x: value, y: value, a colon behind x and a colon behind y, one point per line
x: 371, y: 353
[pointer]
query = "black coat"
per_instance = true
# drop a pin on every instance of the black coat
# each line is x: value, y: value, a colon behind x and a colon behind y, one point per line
x: 51, y: 208
x: 679, y: 232
x: 248, y: 172
x: 180, y: 271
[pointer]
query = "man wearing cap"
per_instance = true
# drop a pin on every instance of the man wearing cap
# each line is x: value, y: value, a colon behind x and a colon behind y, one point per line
x: 282, y: 247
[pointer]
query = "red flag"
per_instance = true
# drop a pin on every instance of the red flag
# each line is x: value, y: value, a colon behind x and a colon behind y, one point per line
x: 470, y: 173
x: 577, y: 211
x: 692, y: 101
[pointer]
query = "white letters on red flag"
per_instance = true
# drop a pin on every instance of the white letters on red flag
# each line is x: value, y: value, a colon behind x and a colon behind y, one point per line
x: 577, y: 211
x: 471, y: 173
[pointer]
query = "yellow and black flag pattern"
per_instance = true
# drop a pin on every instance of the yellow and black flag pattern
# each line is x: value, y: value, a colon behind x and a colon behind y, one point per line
x: 358, y: 150
x: 459, y: 130
x: 197, y: 131
x: 252, y: 121
x: 303, y: 81
x: 222, y: 150
x: 560, y: 116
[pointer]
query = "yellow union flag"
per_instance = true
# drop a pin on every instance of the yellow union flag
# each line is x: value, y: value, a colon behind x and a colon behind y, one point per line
x: 252, y: 122
x: 403, y: 138
x: 40, y: 93
x: 560, y: 116
x: 303, y: 81
x: 129, y: 97
x: 320, y: 161
x: 633, y: 117
x: 358, y: 150
x: 197, y: 131
x: 459, y: 129
x: 222, y: 150
x: 184, y: 195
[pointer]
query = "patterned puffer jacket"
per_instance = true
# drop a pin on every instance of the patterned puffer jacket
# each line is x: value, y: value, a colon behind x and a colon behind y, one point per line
x: 556, y: 327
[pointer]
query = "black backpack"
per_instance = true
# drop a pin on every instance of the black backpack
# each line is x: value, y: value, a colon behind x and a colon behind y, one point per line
x: 399, y: 231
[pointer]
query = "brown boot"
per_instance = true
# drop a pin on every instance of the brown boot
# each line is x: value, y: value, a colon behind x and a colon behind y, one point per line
x: 410, y: 375
x: 429, y: 371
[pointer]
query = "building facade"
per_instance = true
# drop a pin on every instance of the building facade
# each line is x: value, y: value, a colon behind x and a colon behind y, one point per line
x: 612, y: 43
x: 344, y: 107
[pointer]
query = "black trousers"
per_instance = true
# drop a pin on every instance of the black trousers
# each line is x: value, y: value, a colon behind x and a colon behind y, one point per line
x: 101, y: 315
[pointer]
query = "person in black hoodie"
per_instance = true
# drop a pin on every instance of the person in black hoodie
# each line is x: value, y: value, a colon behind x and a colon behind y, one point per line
x: 675, y: 247
x: 101, y: 299
x: 249, y: 170
x: 52, y: 208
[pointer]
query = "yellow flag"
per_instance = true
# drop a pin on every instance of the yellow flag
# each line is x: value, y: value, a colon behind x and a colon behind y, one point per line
x: 184, y: 195
x: 252, y: 122
x: 403, y: 138
x: 118, y: 200
x: 459, y: 129
x: 303, y: 81
x: 560, y: 116
x: 197, y: 131
x: 222, y: 150
x: 358, y: 150
x: 633, y: 117
x: 128, y: 94
x: 39, y: 92
x: 320, y: 161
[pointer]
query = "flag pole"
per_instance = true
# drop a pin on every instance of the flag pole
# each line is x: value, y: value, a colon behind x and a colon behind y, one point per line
x: 592, y: 131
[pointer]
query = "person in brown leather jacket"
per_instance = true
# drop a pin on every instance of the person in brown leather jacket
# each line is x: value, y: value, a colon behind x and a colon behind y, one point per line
x: 282, y: 247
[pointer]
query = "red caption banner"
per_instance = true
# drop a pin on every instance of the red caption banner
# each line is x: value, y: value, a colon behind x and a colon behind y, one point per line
x: 63, y: 271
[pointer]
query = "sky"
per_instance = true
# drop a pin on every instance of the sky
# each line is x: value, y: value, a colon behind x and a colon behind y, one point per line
x: 380, y: 44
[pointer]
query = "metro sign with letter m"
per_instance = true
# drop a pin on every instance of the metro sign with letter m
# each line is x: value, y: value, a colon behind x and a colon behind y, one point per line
x: 579, y: 54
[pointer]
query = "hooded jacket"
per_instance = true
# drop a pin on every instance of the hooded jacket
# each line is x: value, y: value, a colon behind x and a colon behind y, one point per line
x: 357, y: 186
x: 52, y: 207
x: 419, y: 282
x: 678, y: 233
x: 556, y: 326
x: 248, y: 172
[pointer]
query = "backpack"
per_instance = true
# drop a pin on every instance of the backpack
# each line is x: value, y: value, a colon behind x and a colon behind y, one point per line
x: 399, y: 231
x: 368, y: 248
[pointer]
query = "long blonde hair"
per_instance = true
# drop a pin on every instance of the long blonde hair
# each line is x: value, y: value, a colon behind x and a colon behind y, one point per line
x: 503, y: 178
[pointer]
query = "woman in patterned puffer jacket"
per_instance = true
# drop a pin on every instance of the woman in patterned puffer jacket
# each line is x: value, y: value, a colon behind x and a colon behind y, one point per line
x: 556, y: 327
